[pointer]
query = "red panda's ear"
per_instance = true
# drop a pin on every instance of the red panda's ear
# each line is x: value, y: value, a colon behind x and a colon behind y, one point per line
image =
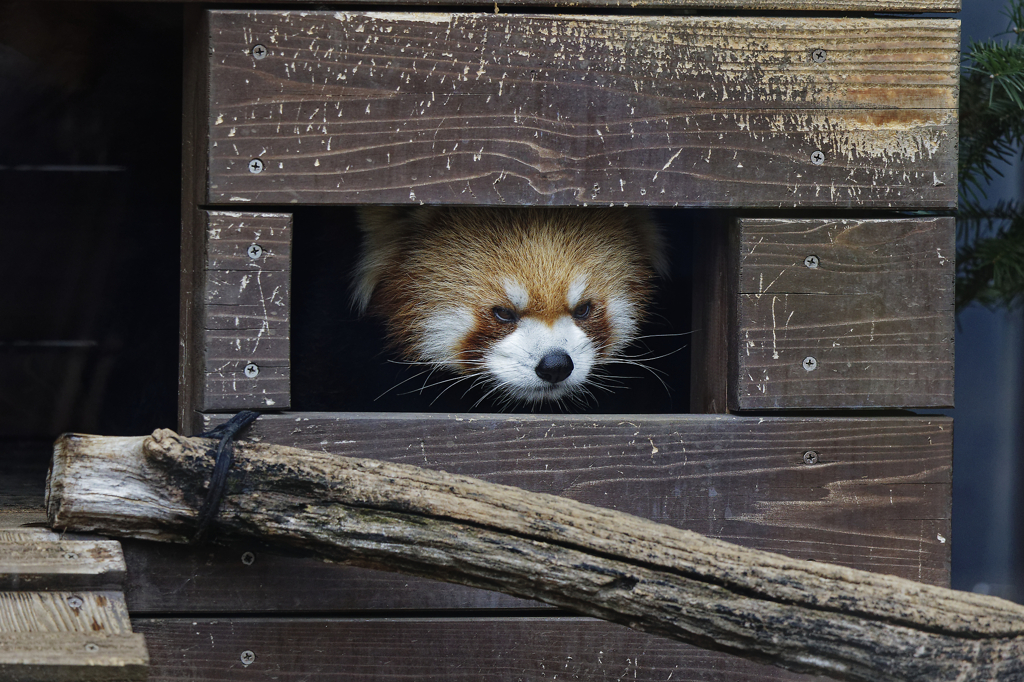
x: 384, y: 228
x: 652, y: 241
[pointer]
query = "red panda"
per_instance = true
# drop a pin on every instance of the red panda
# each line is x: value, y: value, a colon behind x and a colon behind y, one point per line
x: 528, y: 302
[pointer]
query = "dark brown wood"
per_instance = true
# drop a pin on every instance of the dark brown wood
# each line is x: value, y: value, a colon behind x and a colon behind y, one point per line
x: 428, y: 649
x: 878, y: 498
x: 195, y: 114
x: 245, y: 311
x: 870, y: 300
x: 520, y: 109
x: 771, y: 5
x: 811, y: 617
x: 709, y: 354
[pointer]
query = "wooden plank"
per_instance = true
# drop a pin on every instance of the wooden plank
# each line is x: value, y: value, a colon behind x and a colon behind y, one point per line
x: 195, y: 114
x: 877, y: 497
x: 387, y: 649
x: 709, y: 354
x: 245, y: 311
x: 871, y: 301
x: 64, y: 636
x: 908, y: 6
x: 489, y: 109
x: 47, y: 563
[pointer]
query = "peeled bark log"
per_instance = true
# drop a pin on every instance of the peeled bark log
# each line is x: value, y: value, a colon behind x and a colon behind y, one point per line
x: 805, y: 616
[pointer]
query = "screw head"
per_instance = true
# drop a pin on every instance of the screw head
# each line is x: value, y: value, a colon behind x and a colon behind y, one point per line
x: 252, y: 370
x: 70, y: 556
x: 819, y: 56
x: 247, y: 657
x: 254, y: 251
x: 810, y: 364
x: 256, y: 166
x: 259, y: 51
x: 76, y: 602
x: 811, y: 261
x: 818, y: 157
x: 248, y: 558
x: 810, y: 457
x: 92, y: 648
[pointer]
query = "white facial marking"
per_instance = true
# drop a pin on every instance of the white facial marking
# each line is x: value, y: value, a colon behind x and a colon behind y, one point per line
x: 518, y: 296
x: 576, y: 291
x: 443, y: 333
x: 622, y: 314
x: 513, y: 360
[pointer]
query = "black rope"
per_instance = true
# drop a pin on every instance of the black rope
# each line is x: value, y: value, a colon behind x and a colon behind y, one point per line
x: 225, y: 456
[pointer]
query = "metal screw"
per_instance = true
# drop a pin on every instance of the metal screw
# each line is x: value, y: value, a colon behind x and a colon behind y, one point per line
x: 811, y: 261
x: 256, y: 166
x: 252, y: 370
x: 819, y: 56
x: 254, y: 251
x: 70, y: 556
x: 259, y: 51
x: 810, y: 364
x: 76, y: 602
x: 247, y: 657
x: 92, y: 648
x: 817, y: 158
x: 248, y: 558
x: 810, y: 457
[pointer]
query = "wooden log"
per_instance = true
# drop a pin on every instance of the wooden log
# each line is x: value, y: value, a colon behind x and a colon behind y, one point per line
x: 391, y: 107
x: 803, y: 616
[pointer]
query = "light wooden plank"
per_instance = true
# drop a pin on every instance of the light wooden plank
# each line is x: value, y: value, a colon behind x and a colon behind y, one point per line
x: 49, y: 563
x: 73, y: 657
x: 844, y: 313
x: 493, y: 109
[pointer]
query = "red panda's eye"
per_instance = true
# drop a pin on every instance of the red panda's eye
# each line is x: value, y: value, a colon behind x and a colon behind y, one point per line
x: 504, y: 315
x: 582, y: 311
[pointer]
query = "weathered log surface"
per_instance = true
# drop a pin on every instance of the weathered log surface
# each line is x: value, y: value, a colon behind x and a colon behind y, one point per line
x: 478, y: 108
x: 804, y: 616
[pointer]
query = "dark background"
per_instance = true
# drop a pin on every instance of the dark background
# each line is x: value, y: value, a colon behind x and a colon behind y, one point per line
x: 90, y: 153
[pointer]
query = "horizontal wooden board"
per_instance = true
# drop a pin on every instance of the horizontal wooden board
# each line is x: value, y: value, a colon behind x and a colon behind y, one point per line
x: 507, y: 109
x: 871, y: 301
x: 877, y: 498
x: 431, y: 649
x: 753, y: 5
x: 246, y: 311
x: 49, y: 563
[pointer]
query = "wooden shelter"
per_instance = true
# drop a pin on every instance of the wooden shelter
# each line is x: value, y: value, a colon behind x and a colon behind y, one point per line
x: 821, y: 316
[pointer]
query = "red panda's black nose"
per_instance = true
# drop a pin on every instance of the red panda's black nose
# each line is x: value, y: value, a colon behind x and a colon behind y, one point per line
x: 554, y: 367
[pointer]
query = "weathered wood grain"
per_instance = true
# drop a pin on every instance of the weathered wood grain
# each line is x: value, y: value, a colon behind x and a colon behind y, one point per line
x: 810, y: 617
x: 741, y: 479
x: 245, y: 311
x: 46, y: 563
x: 492, y: 109
x: 712, y: 306
x: 442, y: 649
x: 870, y: 300
x: 878, y: 498
x: 770, y: 5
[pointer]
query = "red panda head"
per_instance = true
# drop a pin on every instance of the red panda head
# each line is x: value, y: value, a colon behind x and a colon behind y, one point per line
x: 527, y: 300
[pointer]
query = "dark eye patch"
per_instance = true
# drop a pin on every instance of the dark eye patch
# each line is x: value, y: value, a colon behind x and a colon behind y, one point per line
x: 504, y: 315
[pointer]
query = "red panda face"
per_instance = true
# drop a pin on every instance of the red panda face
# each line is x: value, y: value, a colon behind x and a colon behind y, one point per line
x: 526, y: 302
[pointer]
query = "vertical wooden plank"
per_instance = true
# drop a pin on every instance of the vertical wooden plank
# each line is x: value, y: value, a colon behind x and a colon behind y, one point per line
x: 844, y: 314
x: 246, y: 311
x: 195, y: 143
x: 711, y: 296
